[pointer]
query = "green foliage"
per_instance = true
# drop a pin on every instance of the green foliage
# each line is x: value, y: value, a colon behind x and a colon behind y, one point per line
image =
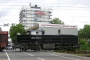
x: 82, y: 41
x: 85, y: 32
x: 84, y: 45
x: 56, y: 21
x: 19, y: 28
x: 84, y: 35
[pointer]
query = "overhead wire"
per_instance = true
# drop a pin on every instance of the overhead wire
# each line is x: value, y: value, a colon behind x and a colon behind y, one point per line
x: 47, y: 6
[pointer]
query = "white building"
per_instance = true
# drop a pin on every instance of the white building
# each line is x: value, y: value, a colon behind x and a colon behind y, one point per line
x: 32, y: 15
x: 54, y: 29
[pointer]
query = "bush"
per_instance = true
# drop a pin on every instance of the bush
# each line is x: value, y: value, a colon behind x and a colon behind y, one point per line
x: 84, y: 45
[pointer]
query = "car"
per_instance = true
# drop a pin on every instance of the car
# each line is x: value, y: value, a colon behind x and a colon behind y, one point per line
x: 9, y: 47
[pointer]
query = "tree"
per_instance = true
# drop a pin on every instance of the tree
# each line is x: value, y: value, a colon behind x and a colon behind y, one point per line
x: 56, y: 21
x: 84, y: 45
x: 85, y: 32
x: 81, y: 33
x: 84, y: 35
x: 19, y: 28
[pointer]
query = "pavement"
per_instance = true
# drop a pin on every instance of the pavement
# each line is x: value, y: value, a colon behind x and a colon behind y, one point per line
x: 39, y: 55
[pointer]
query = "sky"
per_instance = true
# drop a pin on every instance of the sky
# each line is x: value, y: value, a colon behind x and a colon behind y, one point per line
x: 72, y: 12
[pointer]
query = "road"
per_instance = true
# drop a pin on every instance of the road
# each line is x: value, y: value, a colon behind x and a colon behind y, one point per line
x: 43, y: 55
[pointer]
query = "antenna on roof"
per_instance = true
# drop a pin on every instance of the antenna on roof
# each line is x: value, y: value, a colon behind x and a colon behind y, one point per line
x: 30, y: 4
x: 35, y: 6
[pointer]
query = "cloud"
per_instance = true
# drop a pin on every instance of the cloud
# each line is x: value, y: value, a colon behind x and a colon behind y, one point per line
x: 74, y: 2
x: 3, y: 13
x: 74, y: 12
x: 49, y: 1
x: 12, y: 16
x: 4, y: 1
x: 4, y: 9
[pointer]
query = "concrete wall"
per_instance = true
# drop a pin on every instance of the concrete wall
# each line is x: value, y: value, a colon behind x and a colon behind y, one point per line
x: 64, y: 31
x: 69, y: 31
x: 49, y: 30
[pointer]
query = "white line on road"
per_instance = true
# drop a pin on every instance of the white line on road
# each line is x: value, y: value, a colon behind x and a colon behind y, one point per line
x: 28, y: 54
x: 40, y: 58
x: 67, y: 57
x: 62, y: 56
x: 71, y: 58
x: 33, y: 55
x: 7, y: 55
x: 79, y: 56
x: 54, y: 54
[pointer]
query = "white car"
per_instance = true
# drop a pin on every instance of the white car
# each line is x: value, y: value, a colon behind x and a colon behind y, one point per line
x: 9, y: 47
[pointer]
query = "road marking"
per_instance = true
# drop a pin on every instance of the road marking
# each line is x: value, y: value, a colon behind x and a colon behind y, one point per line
x: 40, y: 58
x: 86, y: 57
x: 79, y: 56
x: 54, y: 54
x: 28, y: 54
x: 62, y: 56
x: 66, y: 57
x: 76, y: 59
x: 7, y: 55
x: 73, y: 55
x: 71, y: 58
x: 33, y: 55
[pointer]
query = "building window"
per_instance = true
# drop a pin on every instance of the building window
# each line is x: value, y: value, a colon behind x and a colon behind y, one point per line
x: 24, y: 15
x: 35, y: 19
x: 49, y: 17
x: 59, y: 31
x: 37, y: 32
x: 24, y: 20
x: 49, y: 12
x: 43, y: 31
x: 24, y: 10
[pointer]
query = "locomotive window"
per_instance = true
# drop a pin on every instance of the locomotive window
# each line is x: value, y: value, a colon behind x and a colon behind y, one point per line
x: 59, y: 31
x: 43, y: 32
x: 36, y: 32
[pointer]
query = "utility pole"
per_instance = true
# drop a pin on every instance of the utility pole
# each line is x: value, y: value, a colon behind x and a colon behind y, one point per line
x: 0, y: 29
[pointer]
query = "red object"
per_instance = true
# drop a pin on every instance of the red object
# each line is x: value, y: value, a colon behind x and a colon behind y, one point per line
x: 40, y: 13
x: 3, y: 32
x: 3, y: 39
